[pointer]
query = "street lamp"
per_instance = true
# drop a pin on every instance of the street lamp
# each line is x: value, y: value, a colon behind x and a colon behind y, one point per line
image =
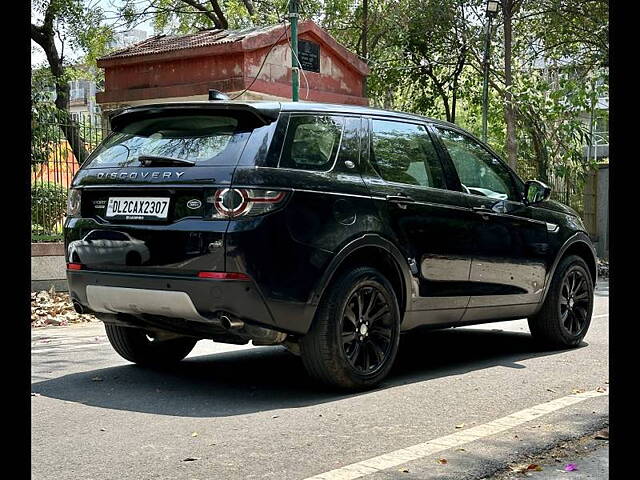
x: 492, y: 11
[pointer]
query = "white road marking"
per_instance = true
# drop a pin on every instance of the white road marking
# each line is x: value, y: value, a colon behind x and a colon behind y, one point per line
x: 404, y: 455
x: 64, y: 348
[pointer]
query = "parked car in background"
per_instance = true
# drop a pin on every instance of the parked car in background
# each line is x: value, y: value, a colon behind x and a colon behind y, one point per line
x: 108, y: 247
x: 328, y: 229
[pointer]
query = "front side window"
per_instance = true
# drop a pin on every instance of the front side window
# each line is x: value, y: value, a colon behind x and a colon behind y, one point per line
x: 311, y: 142
x: 196, y: 138
x: 479, y: 171
x: 404, y: 153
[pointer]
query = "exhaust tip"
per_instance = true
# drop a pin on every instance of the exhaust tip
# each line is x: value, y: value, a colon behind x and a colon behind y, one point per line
x: 77, y: 306
x: 230, y: 324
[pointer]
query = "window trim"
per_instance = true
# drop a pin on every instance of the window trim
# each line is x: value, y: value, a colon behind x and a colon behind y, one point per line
x: 434, y: 141
x: 515, y: 179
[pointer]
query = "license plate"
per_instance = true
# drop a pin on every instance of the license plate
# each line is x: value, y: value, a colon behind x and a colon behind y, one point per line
x: 137, y: 208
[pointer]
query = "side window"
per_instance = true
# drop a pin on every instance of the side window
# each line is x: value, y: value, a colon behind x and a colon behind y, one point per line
x: 480, y: 172
x: 311, y: 142
x: 403, y: 153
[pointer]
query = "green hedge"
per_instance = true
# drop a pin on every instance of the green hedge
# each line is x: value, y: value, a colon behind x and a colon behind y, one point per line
x: 48, y: 206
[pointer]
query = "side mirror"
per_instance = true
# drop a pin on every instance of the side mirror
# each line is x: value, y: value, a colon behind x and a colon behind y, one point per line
x: 535, y: 192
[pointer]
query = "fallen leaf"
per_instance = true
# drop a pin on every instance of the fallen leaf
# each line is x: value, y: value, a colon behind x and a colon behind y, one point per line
x: 460, y: 425
x: 96, y: 379
x: 404, y: 470
x: 526, y: 467
x: 570, y: 467
x: 601, y: 389
x: 33, y: 394
x: 602, y: 435
x: 103, y: 429
x: 551, y: 390
x: 577, y: 390
x: 275, y: 416
x: 443, y: 461
x: 194, y: 434
x: 191, y: 459
x: 460, y: 450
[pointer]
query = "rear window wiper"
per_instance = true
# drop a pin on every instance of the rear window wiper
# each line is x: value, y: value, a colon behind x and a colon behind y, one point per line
x: 149, y: 160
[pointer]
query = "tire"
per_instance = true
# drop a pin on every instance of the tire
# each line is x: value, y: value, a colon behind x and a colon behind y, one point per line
x: 133, y: 344
x: 339, y: 350
x: 565, y: 315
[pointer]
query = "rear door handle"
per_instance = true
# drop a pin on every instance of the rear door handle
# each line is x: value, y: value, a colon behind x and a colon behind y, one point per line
x: 400, y: 199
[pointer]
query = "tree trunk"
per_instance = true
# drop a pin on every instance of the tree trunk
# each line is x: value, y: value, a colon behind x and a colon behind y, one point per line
x: 511, y: 146
x: 365, y: 34
x: 44, y: 36
x: 249, y: 6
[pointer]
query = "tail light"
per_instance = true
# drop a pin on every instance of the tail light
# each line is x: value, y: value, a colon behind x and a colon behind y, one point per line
x: 245, y: 202
x: 73, y: 202
x: 75, y: 266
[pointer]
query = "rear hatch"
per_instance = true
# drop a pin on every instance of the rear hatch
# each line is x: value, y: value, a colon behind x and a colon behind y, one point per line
x: 147, y: 191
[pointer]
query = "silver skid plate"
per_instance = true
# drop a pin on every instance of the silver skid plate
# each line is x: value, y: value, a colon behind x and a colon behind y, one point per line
x: 137, y: 300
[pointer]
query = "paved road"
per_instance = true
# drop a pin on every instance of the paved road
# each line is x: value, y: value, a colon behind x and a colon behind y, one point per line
x: 237, y: 412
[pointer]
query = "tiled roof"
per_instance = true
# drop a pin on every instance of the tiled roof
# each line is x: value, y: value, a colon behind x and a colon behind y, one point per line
x: 169, y: 43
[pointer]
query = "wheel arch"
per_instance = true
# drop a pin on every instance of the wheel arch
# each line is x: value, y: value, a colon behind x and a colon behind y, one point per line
x: 580, y: 245
x: 374, y: 251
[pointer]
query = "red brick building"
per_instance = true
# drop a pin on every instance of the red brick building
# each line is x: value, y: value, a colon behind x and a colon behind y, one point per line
x: 185, y: 67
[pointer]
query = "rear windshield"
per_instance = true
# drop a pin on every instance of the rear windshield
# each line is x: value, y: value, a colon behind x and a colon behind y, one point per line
x: 200, y: 139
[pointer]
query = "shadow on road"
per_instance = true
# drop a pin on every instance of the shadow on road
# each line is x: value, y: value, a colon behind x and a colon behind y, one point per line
x: 269, y: 378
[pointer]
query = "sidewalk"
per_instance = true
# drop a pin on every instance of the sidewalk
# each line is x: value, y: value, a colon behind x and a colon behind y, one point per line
x: 582, y: 459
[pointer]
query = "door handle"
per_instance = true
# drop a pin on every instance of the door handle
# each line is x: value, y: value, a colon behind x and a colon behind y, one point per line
x: 482, y: 210
x: 400, y: 199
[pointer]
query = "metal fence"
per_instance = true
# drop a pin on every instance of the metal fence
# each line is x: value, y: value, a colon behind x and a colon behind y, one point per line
x: 53, y: 165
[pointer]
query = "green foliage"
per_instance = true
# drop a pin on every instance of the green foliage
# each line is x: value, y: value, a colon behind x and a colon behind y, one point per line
x: 44, y: 133
x: 426, y: 57
x: 48, y: 206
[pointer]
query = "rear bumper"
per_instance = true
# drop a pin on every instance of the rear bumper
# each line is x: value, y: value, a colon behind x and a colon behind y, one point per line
x: 185, y: 301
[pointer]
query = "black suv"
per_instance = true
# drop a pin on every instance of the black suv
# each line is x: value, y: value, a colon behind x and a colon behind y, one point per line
x: 327, y: 229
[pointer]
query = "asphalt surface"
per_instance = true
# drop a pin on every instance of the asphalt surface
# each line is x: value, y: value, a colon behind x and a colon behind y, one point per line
x: 243, y: 412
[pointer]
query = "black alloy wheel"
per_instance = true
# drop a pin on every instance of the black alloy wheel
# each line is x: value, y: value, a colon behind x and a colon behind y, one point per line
x: 565, y: 315
x: 366, y: 329
x: 575, y: 301
x: 354, y: 338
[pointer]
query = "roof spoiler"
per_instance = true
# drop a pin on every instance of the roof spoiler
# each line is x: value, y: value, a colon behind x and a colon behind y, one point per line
x: 254, y: 116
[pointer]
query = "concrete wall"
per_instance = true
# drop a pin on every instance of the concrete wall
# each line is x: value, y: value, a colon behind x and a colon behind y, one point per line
x: 48, y: 268
x: 602, y: 212
x: 596, y: 209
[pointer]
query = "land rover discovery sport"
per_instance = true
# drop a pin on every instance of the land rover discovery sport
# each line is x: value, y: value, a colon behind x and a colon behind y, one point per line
x: 327, y: 229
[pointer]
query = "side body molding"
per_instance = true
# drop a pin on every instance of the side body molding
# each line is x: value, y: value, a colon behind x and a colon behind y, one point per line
x: 579, y: 238
x: 366, y: 240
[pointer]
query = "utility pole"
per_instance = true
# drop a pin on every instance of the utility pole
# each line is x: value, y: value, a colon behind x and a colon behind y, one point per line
x: 295, y: 71
x: 492, y: 11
